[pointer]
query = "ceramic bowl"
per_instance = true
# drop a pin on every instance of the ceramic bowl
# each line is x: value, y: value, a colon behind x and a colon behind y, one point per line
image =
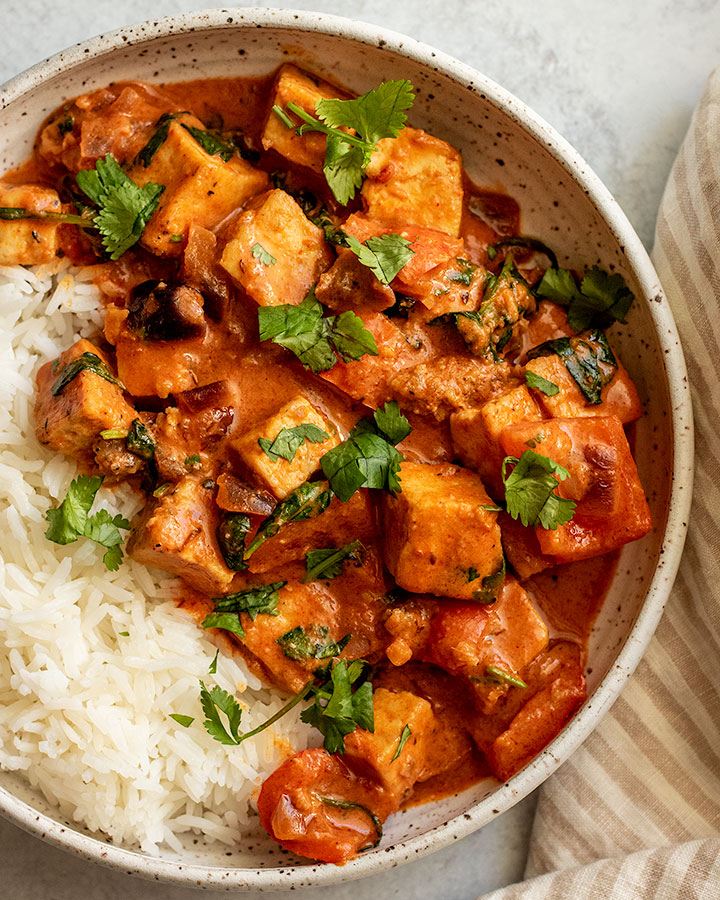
x: 504, y: 145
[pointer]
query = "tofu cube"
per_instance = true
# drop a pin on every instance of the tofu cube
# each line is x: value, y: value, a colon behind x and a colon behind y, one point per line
x: 177, y: 534
x: 370, y: 754
x: 438, y: 538
x: 299, y: 87
x: 416, y: 179
x: 71, y: 421
x: 476, y: 433
x: 603, y: 480
x: 200, y: 189
x: 277, y: 226
x: 28, y: 242
x: 282, y: 476
x: 368, y: 379
x: 522, y: 549
x: 619, y: 397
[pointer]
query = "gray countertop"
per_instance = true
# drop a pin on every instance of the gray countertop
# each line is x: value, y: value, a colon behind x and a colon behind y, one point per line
x: 618, y: 79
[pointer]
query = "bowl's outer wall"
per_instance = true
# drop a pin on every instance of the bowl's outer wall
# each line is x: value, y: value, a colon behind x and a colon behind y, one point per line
x: 491, y: 129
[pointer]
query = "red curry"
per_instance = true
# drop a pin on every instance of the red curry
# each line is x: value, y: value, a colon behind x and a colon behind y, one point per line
x: 470, y: 614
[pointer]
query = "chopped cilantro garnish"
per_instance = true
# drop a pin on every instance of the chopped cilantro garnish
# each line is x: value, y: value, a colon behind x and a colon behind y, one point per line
x: 337, y: 710
x: 385, y: 255
x: 71, y: 520
x: 288, y: 441
x: 212, y: 668
x: 214, y: 702
x: 253, y: 601
x: 265, y: 257
x: 530, y: 491
x: 185, y: 721
x: 310, y: 643
x: 210, y: 142
x: 600, y: 299
x: 533, y: 380
x: 231, y: 534
x: 404, y: 735
x: 327, y: 563
x: 192, y: 462
x: 90, y: 362
x: 368, y: 458
x: 313, y: 339
x: 376, y: 115
x: 492, y: 673
x: 124, y: 208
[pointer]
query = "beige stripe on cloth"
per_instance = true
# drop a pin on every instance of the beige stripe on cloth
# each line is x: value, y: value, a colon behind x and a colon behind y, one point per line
x: 635, y: 813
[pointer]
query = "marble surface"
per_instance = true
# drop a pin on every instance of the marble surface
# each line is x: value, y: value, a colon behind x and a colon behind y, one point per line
x: 619, y: 80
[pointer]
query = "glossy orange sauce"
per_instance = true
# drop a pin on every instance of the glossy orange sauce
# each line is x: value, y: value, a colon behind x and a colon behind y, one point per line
x: 569, y: 596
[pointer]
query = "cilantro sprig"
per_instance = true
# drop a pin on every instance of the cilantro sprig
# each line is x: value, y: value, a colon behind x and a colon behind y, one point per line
x: 530, y: 491
x: 368, y: 458
x: 72, y: 520
x: 385, y: 255
x: 288, y: 441
x: 404, y: 736
x: 378, y: 114
x: 598, y: 301
x: 340, y: 706
x: 316, y: 341
x: 124, y: 208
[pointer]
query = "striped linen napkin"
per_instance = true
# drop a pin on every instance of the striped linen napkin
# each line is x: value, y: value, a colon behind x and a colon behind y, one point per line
x: 635, y: 813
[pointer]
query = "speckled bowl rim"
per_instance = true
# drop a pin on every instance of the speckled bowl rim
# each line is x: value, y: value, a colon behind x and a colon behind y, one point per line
x: 559, y: 750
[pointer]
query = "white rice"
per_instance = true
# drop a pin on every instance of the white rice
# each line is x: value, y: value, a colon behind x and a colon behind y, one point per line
x: 84, y: 710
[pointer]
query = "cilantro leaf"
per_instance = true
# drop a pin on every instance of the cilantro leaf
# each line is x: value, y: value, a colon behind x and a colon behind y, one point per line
x: 231, y: 534
x: 68, y: 521
x: 366, y: 458
x: 499, y: 676
x: 391, y: 423
x: 337, y: 711
x: 301, y: 329
x: 310, y: 643
x: 378, y: 114
x: 311, y: 499
x: 327, y: 562
x: 212, y: 668
x: 87, y: 361
x: 350, y: 337
x: 71, y: 520
x: 265, y: 257
x: 289, y: 440
x: 404, y: 735
x: 385, y: 254
x: 530, y: 491
x: 253, y: 601
x: 312, y: 338
x: 124, y: 208
x: 214, y: 702
x: 533, y: 380
x: 185, y: 721
x: 210, y: 143
x: 157, y: 139
x: 600, y: 299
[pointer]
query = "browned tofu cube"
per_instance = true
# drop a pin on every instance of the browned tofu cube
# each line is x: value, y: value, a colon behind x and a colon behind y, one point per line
x: 440, y: 537
x: 177, y: 534
x: 371, y: 753
x: 200, y: 188
x: 619, y: 397
x: 340, y: 524
x: 28, y: 242
x: 476, y: 433
x: 293, y: 85
x: 522, y: 548
x: 415, y: 178
x: 278, y: 641
x: 280, y: 475
x: 275, y: 252
x: 71, y: 421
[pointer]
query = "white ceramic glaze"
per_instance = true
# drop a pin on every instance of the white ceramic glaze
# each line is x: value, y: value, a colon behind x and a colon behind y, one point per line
x: 504, y: 145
